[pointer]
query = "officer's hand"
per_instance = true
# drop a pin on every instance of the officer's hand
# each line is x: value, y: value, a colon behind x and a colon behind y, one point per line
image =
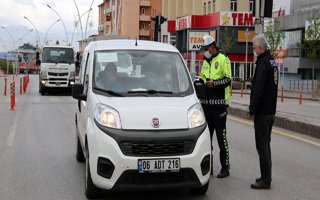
x: 209, y: 83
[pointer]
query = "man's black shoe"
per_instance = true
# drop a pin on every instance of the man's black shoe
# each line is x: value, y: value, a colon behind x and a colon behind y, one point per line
x: 261, y: 184
x: 223, y: 173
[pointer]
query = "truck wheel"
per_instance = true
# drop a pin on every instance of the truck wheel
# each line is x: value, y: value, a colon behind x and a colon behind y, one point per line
x: 80, y: 157
x: 201, y: 190
x: 42, y: 90
x: 92, y: 192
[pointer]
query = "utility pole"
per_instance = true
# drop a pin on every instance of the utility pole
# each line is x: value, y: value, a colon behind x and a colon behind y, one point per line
x: 247, y: 35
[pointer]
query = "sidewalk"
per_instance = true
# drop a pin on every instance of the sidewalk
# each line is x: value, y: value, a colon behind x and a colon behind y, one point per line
x: 302, y: 118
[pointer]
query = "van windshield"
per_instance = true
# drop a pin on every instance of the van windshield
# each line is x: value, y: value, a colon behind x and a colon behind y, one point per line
x: 141, y: 73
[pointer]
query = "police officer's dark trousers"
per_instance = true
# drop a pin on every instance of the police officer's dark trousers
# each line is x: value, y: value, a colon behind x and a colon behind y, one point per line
x: 263, y: 127
x: 216, y: 118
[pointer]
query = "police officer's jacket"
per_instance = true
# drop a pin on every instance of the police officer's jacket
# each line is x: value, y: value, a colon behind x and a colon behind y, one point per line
x: 218, y: 68
x: 264, y: 89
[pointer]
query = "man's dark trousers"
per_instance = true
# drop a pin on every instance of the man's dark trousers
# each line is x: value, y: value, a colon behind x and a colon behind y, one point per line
x: 263, y: 127
x: 216, y: 119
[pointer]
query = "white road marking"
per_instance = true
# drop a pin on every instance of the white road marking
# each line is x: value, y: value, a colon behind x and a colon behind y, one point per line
x: 244, y: 121
x: 13, y: 129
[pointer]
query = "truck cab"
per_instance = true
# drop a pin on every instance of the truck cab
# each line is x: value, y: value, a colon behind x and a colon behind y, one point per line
x: 57, y: 69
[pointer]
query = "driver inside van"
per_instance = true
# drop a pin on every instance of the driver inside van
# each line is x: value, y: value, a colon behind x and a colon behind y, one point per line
x: 108, y: 77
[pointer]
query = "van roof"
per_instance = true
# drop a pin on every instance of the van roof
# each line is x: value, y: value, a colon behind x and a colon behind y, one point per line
x: 130, y: 44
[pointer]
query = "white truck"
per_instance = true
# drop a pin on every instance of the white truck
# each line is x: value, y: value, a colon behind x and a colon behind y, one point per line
x: 57, y: 67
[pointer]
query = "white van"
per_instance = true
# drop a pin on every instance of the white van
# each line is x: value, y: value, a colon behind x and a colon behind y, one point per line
x: 142, y: 128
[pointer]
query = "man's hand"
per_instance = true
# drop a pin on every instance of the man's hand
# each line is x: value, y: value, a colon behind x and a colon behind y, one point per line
x: 249, y: 115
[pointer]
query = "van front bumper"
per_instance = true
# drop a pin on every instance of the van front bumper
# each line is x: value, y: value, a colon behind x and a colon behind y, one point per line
x: 119, y: 151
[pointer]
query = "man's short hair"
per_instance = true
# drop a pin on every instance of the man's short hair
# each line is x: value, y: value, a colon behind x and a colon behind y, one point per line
x: 261, y: 41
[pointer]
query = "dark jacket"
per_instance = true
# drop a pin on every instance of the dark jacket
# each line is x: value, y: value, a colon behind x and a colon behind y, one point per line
x: 264, y: 91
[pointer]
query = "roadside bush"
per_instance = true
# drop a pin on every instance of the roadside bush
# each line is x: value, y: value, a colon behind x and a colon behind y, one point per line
x: 3, y: 66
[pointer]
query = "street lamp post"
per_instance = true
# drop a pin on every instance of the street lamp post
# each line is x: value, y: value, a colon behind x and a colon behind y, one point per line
x: 45, y: 37
x: 61, y: 20
x: 77, y: 24
x: 14, y: 45
x: 247, y: 35
x: 38, y: 42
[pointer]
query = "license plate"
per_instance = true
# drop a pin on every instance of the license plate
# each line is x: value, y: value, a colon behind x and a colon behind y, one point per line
x: 158, y: 165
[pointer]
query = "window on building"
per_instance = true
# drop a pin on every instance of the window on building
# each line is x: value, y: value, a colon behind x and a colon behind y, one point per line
x: 233, y: 4
x: 251, y: 5
x: 143, y: 26
x: 209, y: 6
x: 214, y: 6
x: 165, y: 38
x: 204, y: 8
x: 143, y: 11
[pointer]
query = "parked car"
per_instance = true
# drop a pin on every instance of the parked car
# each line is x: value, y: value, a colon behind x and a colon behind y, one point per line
x: 237, y: 82
x: 136, y: 136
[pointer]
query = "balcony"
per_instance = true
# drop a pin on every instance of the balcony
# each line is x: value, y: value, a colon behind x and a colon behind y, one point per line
x: 144, y: 33
x: 145, y: 18
x: 145, y: 3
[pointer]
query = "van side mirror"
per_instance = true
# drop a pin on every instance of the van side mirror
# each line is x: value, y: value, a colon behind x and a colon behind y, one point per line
x: 77, y: 92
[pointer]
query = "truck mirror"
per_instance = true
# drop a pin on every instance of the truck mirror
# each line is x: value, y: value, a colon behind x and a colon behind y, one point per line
x: 38, y: 62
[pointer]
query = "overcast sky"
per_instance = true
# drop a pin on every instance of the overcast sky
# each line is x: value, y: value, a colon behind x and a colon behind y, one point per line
x: 12, y: 14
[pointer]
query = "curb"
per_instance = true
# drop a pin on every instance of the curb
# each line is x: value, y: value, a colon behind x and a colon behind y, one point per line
x: 282, y: 122
x: 286, y: 97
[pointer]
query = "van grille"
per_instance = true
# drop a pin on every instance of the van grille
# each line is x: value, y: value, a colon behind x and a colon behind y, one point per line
x: 131, y: 180
x: 157, y: 148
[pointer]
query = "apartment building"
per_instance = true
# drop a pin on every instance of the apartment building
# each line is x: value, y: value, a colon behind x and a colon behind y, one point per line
x: 230, y: 22
x: 129, y: 18
x: 296, y: 66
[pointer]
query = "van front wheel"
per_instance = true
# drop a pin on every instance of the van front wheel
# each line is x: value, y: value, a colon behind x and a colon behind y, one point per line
x: 80, y: 157
x: 201, y: 190
x: 92, y: 192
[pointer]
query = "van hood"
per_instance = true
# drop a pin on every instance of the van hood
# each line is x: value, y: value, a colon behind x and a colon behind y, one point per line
x: 138, y: 113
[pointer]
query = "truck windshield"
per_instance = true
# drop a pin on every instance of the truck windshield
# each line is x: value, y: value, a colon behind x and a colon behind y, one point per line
x: 57, y: 55
x: 141, y: 73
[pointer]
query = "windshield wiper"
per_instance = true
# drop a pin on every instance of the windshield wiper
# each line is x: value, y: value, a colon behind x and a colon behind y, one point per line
x: 111, y: 92
x: 150, y: 92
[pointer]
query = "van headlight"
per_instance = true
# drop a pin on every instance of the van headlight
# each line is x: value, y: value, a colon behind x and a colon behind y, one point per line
x: 107, y: 116
x: 196, y: 116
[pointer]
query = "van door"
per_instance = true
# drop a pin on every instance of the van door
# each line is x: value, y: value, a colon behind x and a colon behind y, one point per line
x: 82, y: 105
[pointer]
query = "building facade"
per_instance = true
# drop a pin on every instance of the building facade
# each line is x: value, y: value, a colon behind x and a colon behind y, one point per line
x: 230, y: 22
x: 129, y: 18
x: 298, y: 70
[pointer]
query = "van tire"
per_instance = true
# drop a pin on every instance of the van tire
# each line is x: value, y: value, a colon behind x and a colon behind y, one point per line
x: 80, y: 157
x: 91, y: 191
x: 201, y: 190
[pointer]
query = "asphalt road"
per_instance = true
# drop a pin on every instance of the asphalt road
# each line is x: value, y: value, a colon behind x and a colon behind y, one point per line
x: 37, y: 157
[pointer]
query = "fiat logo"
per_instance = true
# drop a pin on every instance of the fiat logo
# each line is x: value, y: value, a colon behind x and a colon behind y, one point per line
x: 155, y: 122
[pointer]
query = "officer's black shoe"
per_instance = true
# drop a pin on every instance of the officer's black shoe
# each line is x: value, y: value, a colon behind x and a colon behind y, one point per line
x: 261, y: 184
x: 223, y: 173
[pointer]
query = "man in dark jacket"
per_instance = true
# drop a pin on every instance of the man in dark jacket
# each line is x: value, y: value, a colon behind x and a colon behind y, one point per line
x: 263, y: 103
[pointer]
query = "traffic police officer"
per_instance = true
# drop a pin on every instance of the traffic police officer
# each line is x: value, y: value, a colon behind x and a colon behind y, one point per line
x: 216, y: 76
